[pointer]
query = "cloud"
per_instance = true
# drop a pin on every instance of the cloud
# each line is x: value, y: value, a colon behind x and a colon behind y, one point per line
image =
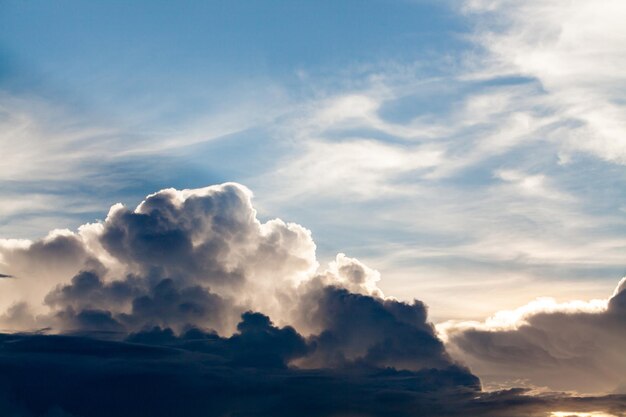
x: 575, y: 346
x: 363, y: 329
x: 156, y: 373
x: 530, y: 185
x: 190, y: 305
x: 478, y: 149
x: 394, y: 154
x: 573, y: 48
x: 200, y: 258
x: 177, y: 252
x: 189, y: 280
x: 362, y: 168
x: 40, y: 265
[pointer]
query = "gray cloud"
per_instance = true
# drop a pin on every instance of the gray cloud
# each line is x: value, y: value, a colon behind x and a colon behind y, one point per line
x: 200, y: 258
x: 573, y: 347
x: 190, y: 297
x: 171, y: 262
x: 156, y: 373
x: 358, y: 328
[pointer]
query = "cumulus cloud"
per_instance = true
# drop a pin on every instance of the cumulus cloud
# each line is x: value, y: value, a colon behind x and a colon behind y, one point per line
x: 200, y: 259
x: 190, y: 305
x: 171, y: 261
x: 192, y: 279
x: 362, y: 329
x: 575, y: 346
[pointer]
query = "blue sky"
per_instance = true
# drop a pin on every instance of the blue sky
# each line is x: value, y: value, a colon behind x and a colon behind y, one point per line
x: 460, y: 148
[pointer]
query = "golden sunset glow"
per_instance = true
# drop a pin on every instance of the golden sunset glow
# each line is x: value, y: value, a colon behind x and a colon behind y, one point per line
x: 579, y: 414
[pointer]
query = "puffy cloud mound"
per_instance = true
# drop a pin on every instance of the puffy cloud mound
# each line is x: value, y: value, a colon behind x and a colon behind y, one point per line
x: 194, y: 279
x: 200, y: 258
x: 362, y: 329
x: 192, y: 257
x: 572, y: 346
x: 189, y: 305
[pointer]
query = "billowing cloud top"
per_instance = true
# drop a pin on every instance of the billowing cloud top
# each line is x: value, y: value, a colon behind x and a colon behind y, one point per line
x: 181, y: 258
x: 192, y: 298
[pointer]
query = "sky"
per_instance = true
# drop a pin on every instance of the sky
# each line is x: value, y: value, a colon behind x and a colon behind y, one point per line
x: 468, y: 154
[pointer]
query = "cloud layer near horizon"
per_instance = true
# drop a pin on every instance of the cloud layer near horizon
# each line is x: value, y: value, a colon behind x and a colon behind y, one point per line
x: 179, y: 297
x: 575, y: 346
x: 156, y: 374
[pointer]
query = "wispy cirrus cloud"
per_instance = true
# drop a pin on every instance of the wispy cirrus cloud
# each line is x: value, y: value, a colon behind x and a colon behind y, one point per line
x: 481, y: 184
x: 574, y: 49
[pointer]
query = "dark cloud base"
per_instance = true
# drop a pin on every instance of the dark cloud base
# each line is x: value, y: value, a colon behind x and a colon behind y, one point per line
x: 156, y: 373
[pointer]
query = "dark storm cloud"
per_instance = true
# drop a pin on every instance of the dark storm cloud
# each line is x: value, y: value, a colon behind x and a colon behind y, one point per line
x: 257, y: 343
x: 88, y: 290
x: 156, y: 373
x: 570, y: 350
x: 355, y: 329
x: 153, y: 302
x: 6, y: 276
x: 365, y: 329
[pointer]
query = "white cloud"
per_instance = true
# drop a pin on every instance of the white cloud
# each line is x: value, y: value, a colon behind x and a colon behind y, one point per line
x: 575, y: 50
x: 532, y: 185
x: 208, y: 238
x: 363, y: 168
